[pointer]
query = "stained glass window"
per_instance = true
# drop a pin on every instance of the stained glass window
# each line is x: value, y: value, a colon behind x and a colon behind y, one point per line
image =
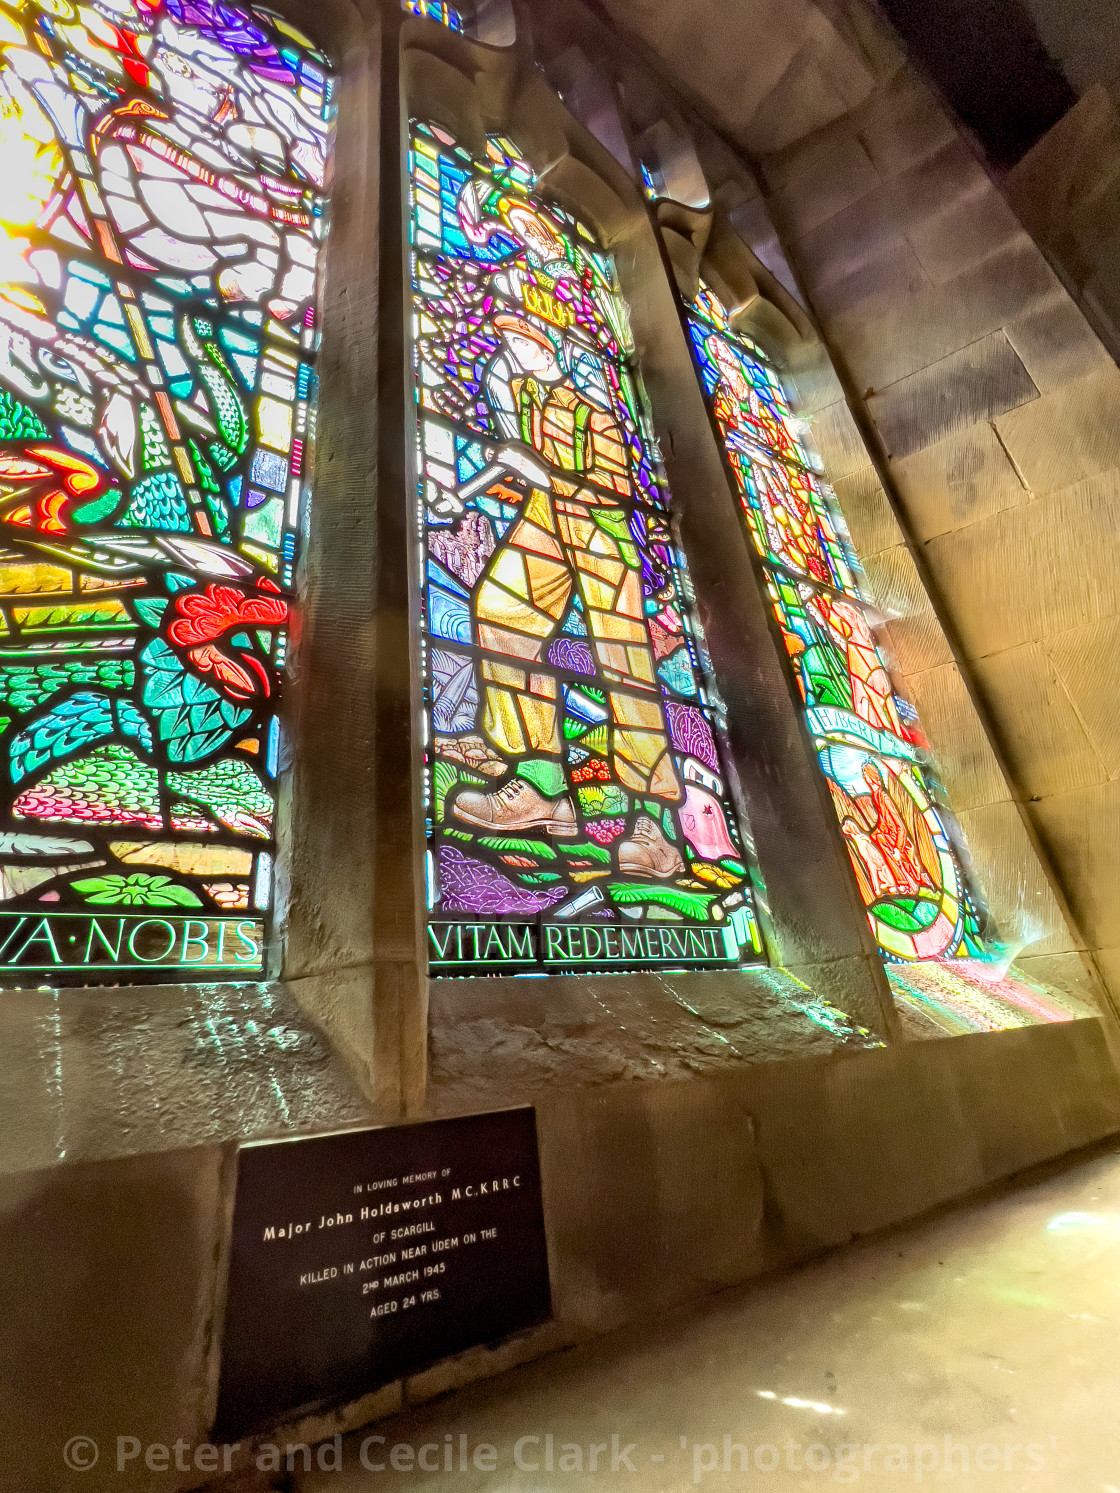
x: 162, y: 208
x: 435, y: 10
x: 868, y: 739
x: 577, y: 801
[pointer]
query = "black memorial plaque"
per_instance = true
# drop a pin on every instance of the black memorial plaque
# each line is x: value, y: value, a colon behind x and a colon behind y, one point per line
x: 361, y: 1256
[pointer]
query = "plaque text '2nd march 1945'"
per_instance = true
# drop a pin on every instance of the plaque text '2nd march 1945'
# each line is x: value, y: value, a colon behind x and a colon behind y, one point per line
x: 359, y: 1256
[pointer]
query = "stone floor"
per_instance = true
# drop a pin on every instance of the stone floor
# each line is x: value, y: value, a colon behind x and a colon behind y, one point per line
x: 988, y: 1333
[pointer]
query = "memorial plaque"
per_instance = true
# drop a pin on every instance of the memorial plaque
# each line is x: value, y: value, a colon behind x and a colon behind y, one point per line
x: 361, y: 1256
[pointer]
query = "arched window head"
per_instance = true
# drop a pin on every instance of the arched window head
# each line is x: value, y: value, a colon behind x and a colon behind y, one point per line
x: 577, y: 801
x: 162, y: 215
x: 868, y: 739
x: 436, y: 10
x: 670, y: 167
x: 489, y: 21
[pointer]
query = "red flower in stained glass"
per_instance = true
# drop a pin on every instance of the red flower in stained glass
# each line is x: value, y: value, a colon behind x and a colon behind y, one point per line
x: 205, y: 615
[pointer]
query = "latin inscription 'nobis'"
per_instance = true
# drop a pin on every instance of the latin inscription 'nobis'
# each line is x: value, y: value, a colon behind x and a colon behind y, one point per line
x: 79, y: 941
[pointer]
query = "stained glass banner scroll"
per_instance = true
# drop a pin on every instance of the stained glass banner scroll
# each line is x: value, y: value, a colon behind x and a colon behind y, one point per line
x: 869, y: 743
x: 578, y: 813
x: 162, y: 212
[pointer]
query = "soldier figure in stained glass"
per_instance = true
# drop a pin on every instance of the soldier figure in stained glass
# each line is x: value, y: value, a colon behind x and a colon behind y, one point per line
x: 570, y: 539
x: 574, y: 768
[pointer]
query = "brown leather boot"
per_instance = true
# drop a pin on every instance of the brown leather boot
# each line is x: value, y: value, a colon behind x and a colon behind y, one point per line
x: 648, y: 853
x: 515, y: 808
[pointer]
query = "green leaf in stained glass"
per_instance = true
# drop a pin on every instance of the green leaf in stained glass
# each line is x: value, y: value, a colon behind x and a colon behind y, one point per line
x: 513, y: 846
x: 678, y: 899
x: 193, y: 720
x: 150, y: 609
x: 908, y: 914
x: 136, y: 890
x: 545, y: 774
x: 17, y: 421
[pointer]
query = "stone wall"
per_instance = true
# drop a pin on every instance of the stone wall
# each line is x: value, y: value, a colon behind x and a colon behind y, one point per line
x: 1066, y: 191
x: 115, y: 1204
x: 995, y: 412
x: 941, y: 317
x: 1084, y: 39
x: 695, y: 1130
